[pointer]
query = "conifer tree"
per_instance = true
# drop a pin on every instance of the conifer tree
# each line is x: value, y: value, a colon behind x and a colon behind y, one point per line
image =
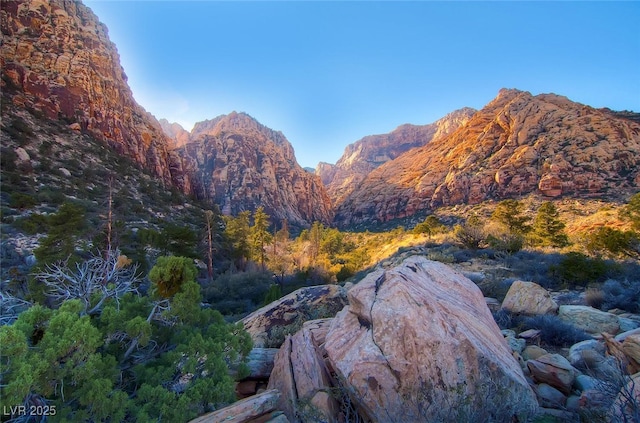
x: 548, y: 229
x: 237, y: 230
x: 260, y: 235
x: 509, y: 214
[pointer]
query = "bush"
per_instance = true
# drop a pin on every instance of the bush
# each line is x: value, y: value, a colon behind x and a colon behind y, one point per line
x: 555, y: 332
x: 236, y: 293
x: 578, y: 269
x: 507, y: 242
x: 170, y: 273
x: 504, y: 319
x: 22, y: 201
x: 33, y: 224
x: 622, y: 295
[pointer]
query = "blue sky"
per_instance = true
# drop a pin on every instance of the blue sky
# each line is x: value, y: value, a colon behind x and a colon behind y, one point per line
x: 328, y: 73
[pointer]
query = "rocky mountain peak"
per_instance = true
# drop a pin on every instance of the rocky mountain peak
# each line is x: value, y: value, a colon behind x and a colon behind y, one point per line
x: 175, y: 132
x: 57, y: 59
x: 366, y: 154
x: 517, y: 144
x: 240, y: 164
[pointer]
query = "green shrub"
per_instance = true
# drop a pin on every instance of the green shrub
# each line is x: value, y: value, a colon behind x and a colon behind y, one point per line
x: 22, y: 201
x: 170, y: 273
x: 35, y: 223
x: 576, y: 269
x: 236, y: 293
x: 273, y: 294
x: 509, y: 243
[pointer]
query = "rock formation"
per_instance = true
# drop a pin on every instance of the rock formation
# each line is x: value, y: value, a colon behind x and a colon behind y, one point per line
x: 516, y: 145
x: 529, y: 298
x: 57, y: 59
x: 240, y: 164
x: 291, y: 310
x: 416, y: 343
x: 175, y: 132
x: 361, y: 157
x: 58, y: 62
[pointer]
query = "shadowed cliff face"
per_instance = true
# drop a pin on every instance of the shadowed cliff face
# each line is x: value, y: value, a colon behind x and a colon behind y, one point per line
x: 240, y: 164
x: 365, y: 155
x: 518, y: 144
x: 57, y: 59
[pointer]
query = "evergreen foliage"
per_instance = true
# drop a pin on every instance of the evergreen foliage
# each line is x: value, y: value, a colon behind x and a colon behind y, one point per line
x: 170, y: 273
x: 259, y: 235
x: 548, y: 229
x: 577, y: 269
x: 510, y: 214
x: 64, y: 228
x: 430, y: 226
x: 138, y: 359
x: 236, y: 232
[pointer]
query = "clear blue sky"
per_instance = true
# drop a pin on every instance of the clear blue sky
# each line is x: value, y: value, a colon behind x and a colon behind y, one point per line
x: 328, y: 73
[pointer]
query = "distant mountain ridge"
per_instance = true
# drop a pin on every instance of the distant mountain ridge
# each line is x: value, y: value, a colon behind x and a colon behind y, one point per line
x: 518, y: 144
x: 368, y: 153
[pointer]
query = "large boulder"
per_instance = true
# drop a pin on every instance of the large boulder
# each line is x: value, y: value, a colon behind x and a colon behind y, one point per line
x: 589, y: 319
x: 268, y: 325
x: 528, y: 298
x: 418, y: 343
x: 301, y: 375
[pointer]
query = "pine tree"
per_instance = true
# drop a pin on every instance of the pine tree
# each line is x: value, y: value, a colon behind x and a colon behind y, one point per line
x: 237, y: 230
x: 260, y: 235
x: 548, y: 229
x: 509, y: 214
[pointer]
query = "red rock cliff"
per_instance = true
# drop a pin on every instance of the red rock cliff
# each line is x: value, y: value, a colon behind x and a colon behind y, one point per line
x: 517, y: 144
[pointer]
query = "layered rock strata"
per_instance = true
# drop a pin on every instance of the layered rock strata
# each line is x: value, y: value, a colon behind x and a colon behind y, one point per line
x: 370, y: 152
x: 517, y: 144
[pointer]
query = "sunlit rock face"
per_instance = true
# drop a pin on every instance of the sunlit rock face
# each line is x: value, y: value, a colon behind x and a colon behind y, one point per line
x: 365, y: 155
x: 57, y: 59
x: 517, y: 144
x: 240, y: 164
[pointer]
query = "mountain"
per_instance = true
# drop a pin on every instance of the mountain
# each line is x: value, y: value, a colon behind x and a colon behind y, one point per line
x: 361, y: 157
x: 517, y: 144
x: 57, y: 59
x: 175, y: 132
x: 59, y: 64
x: 240, y: 164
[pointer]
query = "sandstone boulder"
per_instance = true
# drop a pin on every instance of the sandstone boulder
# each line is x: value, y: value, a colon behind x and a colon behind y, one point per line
x: 532, y: 352
x: 291, y: 311
x: 589, y: 319
x: 555, y: 370
x: 529, y: 298
x: 418, y: 343
x: 301, y: 375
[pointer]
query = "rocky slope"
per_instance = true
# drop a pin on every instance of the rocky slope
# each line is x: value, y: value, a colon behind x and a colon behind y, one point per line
x: 57, y: 59
x: 517, y: 144
x: 366, y: 154
x: 59, y: 64
x: 175, y: 132
x: 240, y: 164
